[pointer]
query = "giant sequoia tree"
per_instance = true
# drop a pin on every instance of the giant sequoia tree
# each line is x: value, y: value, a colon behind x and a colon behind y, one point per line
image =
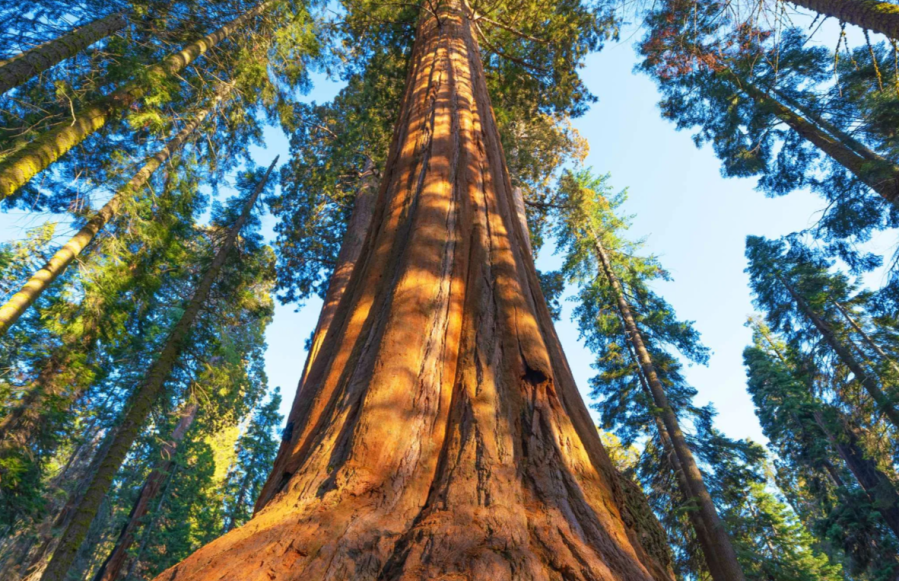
x: 441, y: 432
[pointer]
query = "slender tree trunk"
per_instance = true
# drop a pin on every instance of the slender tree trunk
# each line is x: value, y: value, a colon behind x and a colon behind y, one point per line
x: 241, y: 493
x: 883, y: 402
x: 881, y: 175
x: 844, y: 138
x: 25, y: 163
x: 112, y: 566
x: 867, y: 338
x: 876, y: 15
x: 20, y: 68
x: 440, y: 433
x: 722, y: 554
x: 873, y: 481
x: 42, y: 279
x: 151, y: 526
x: 706, y: 542
x: 63, y: 518
x: 141, y: 402
x: 350, y: 249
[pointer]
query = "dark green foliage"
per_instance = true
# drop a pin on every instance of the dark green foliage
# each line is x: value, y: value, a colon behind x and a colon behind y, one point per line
x: 734, y: 471
x: 706, y: 61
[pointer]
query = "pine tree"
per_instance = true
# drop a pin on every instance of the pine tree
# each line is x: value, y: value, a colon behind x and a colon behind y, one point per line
x: 817, y: 439
x: 256, y: 450
x: 759, y: 99
x: 795, y: 289
x: 61, y: 260
x: 29, y: 160
x: 142, y: 400
x: 589, y: 226
x: 876, y: 15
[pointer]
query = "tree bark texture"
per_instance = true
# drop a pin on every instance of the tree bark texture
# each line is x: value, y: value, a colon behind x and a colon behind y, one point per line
x: 876, y: 15
x: 882, y: 400
x: 142, y: 401
x: 20, y: 167
x: 350, y: 250
x: 112, y: 566
x: 522, y: 214
x: 440, y: 434
x: 722, y: 558
x: 20, y: 68
x: 60, y: 261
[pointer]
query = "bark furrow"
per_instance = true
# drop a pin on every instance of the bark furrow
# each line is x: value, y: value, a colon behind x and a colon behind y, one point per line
x: 439, y: 433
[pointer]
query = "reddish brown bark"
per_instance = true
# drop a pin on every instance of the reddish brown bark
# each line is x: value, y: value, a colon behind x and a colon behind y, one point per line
x: 112, y: 566
x: 440, y: 434
x: 350, y: 249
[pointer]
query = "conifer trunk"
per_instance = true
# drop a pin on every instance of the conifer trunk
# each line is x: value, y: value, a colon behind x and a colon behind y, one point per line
x: 142, y: 400
x: 31, y: 159
x: 879, y: 174
x: 20, y: 68
x: 241, y: 492
x: 882, y: 400
x: 873, y: 481
x: 440, y: 434
x: 867, y: 338
x: 876, y: 15
x: 722, y: 555
x: 350, y: 250
x: 112, y: 566
x: 690, y: 498
x: 43, y: 278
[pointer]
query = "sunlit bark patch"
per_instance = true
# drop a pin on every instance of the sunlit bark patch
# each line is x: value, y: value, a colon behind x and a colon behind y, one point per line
x: 439, y: 434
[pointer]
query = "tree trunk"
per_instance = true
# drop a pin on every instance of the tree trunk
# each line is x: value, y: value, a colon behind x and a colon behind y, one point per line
x: 440, y: 433
x: 20, y: 167
x: 522, y: 214
x: 112, y: 566
x: 42, y: 279
x: 867, y: 338
x: 722, y: 554
x: 881, y: 175
x: 689, y: 497
x: 844, y: 138
x: 141, y: 402
x: 241, y: 492
x: 876, y: 15
x: 873, y: 481
x: 350, y: 249
x: 884, y: 403
x: 20, y: 68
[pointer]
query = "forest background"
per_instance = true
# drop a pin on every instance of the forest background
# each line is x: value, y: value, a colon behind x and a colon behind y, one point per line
x: 692, y: 217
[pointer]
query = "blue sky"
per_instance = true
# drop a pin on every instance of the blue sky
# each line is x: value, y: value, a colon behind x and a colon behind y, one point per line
x: 692, y: 218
